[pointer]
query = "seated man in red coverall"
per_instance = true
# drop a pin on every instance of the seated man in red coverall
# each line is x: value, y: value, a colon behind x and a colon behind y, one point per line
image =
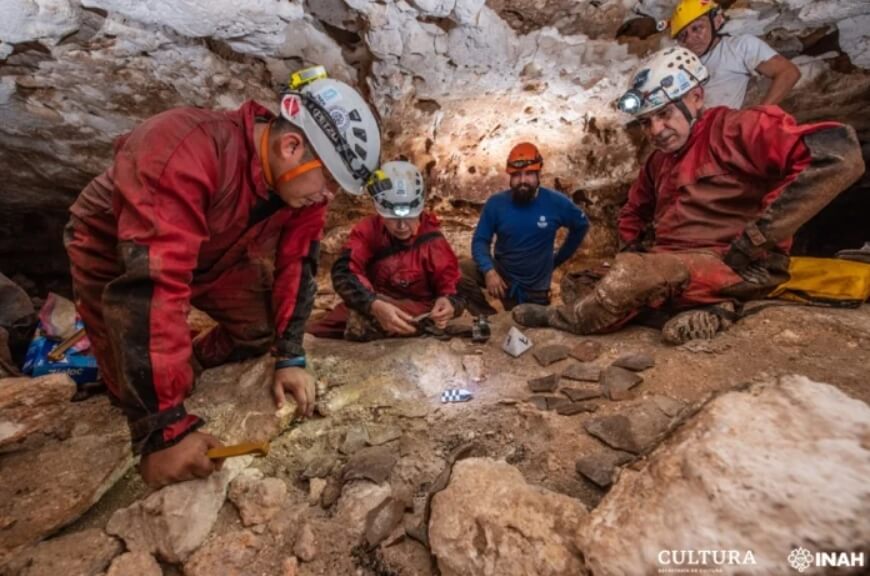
x: 395, y: 266
x: 724, y: 192
x: 214, y: 209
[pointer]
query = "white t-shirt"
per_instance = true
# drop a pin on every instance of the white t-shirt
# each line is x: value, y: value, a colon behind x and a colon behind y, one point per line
x: 731, y: 63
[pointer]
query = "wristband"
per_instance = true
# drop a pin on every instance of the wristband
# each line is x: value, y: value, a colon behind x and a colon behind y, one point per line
x: 296, y: 362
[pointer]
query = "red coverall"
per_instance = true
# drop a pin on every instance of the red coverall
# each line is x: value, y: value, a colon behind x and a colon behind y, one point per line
x: 184, y: 216
x: 735, y: 164
x: 410, y: 274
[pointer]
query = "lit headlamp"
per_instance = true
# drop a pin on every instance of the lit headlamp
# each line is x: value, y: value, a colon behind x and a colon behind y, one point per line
x: 630, y: 102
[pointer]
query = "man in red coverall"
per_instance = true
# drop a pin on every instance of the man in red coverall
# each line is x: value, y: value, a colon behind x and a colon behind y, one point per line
x: 724, y: 192
x: 395, y: 266
x: 222, y: 210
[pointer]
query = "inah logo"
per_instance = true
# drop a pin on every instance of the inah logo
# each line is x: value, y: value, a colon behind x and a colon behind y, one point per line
x: 800, y: 559
x: 542, y: 222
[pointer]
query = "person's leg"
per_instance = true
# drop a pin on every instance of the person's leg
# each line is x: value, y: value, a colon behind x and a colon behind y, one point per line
x: 363, y: 328
x: 240, y: 301
x: 634, y: 281
x: 470, y: 288
x: 92, y: 266
x: 331, y: 324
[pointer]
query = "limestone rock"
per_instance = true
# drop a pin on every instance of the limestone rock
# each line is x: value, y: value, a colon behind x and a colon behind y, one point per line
x: 85, y: 553
x: 135, y: 563
x: 32, y: 409
x: 780, y: 465
x: 490, y: 521
x: 617, y: 382
x: 381, y: 520
x: 305, y: 547
x: 290, y: 566
x: 315, y: 490
x: 635, y: 429
x: 357, y: 500
x: 45, y: 488
x: 258, y: 500
x: 227, y: 555
x: 174, y: 521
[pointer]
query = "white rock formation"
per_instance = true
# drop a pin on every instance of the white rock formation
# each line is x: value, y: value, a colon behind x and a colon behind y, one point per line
x: 767, y: 470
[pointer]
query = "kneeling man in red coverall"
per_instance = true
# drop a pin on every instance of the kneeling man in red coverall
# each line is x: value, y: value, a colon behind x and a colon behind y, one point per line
x: 224, y: 211
x: 395, y: 267
x: 724, y: 192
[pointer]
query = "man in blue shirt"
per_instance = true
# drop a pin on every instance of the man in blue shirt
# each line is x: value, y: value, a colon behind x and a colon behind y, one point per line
x: 524, y: 221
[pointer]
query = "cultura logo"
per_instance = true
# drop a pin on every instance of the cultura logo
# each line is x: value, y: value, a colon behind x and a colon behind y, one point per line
x: 801, y: 559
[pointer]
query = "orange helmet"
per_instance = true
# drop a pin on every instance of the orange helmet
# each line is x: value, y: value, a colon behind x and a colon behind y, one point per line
x: 524, y: 156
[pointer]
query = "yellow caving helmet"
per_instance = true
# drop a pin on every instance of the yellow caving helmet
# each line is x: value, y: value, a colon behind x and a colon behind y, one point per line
x: 687, y: 11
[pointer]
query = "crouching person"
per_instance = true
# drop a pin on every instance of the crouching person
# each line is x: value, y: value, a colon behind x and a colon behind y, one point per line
x: 724, y: 192
x: 395, y: 267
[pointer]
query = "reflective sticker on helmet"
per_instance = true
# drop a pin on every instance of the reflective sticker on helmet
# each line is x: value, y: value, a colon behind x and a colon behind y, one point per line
x: 683, y: 81
x: 328, y: 95
x: 290, y: 106
x: 339, y: 116
x: 640, y: 78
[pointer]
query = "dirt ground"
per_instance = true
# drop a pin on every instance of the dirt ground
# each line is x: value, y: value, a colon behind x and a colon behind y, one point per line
x: 395, y: 385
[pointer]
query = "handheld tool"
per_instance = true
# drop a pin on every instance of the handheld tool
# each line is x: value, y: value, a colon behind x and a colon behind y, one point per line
x: 256, y: 448
x: 56, y: 355
x: 421, y: 317
x: 480, y: 331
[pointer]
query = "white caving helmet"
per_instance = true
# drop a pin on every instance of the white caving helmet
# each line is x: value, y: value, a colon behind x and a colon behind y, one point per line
x: 337, y: 122
x: 664, y: 77
x: 397, y: 190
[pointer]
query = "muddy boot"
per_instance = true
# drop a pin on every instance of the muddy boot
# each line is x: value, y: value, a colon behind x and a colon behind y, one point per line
x: 531, y: 315
x: 698, y: 324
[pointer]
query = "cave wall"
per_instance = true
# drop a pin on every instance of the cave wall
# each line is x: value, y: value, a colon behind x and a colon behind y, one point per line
x: 456, y: 83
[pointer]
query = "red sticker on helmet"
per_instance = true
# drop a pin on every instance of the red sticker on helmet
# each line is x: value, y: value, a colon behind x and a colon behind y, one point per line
x: 290, y: 106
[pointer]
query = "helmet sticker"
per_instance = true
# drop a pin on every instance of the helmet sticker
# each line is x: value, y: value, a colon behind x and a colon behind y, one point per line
x: 290, y: 106
x: 328, y: 95
x: 640, y: 78
x: 339, y: 116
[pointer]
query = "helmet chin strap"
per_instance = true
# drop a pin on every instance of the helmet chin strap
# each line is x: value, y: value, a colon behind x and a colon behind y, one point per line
x: 714, y: 33
x: 287, y: 175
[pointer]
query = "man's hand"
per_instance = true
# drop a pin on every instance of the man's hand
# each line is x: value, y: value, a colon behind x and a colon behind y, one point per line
x: 495, y: 285
x: 441, y: 312
x: 393, y: 319
x: 183, y: 461
x: 300, y: 384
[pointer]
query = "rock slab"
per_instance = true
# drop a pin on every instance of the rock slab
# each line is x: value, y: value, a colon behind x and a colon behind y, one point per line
x: 85, y: 553
x: 489, y: 521
x: 617, y: 382
x: 635, y: 429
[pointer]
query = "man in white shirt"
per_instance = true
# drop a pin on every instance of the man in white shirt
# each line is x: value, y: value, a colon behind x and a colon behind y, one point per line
x: 731, y: 60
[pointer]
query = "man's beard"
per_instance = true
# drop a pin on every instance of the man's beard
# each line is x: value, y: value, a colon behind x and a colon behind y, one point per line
x: 523, y: 194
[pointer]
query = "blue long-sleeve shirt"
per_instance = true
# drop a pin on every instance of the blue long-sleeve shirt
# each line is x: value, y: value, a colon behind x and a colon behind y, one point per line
x: 525, y: 236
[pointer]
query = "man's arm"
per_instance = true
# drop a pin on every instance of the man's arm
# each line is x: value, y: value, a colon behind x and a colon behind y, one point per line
x: 443, y: 268
x: 810, y: 165
x: 638, y: 210
x: 481, y: 242
x: 349, y: 272
x: 783, y: 76
x: 160, y: 210
x: 577, y: 224
x: 295, y: 286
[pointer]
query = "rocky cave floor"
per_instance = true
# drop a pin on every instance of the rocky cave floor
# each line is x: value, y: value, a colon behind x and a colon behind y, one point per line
x: 386, y: 437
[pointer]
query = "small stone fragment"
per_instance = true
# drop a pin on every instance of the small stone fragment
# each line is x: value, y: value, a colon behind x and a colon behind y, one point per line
x: 331, y: 492
x: 355, y: 438
x: 473, y: 365
x: 374, y: 463
x: 546, y: 383
x: 635, y: 430
x: 379, y: 435
x: 586, y: 351
x: 599, y: 467
x: 617, y: 382
x: 305, y: 547
x: 669, y: 406
x: 381, y: 520
x: 581, y: 394
x: 550, y: 354
x: 635, y: 362
x: 290, y: 566
x: 315, y: 490
x: 138, y: 563
x: 319, y: 467
x: 572, y: 408
x: 257, y: 500
x: 582, y: 372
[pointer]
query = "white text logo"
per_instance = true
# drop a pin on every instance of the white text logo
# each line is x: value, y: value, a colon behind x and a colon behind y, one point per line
x: 801, y: 559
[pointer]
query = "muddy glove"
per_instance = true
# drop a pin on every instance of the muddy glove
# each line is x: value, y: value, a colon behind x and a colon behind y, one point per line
x: 742, y: 254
